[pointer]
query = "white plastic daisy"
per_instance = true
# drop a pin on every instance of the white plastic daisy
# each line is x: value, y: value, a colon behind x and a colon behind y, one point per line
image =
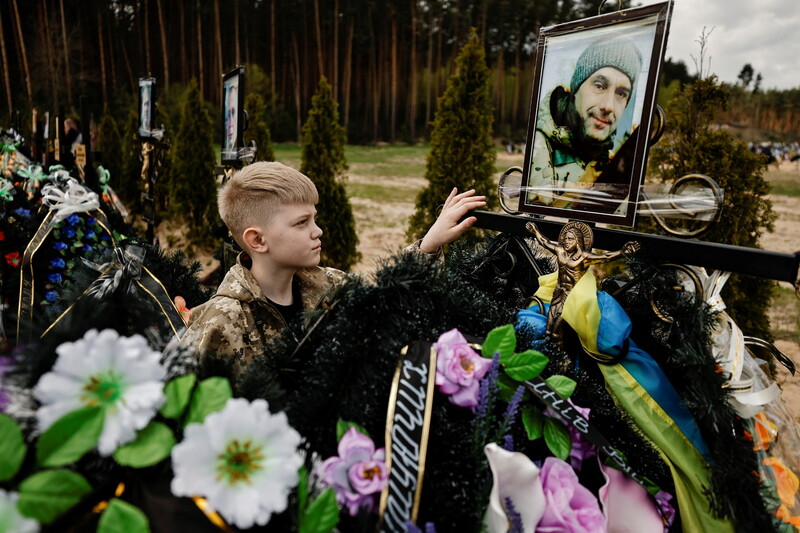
x: 10, y: 517
x: 121, y: 374
x: 242, y: 459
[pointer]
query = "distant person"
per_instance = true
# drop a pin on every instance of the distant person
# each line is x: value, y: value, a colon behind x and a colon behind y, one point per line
x: 576, y: 124
x: 269, y: 209
x: 72, y: 138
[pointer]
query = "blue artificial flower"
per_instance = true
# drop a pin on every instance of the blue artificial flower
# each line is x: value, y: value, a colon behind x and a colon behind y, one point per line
x: 104, y: 237
x: 90, y: 221
x: 69, y: 233
x: 54, y: 278
x: 22, y: 212
x: 73, y: 219
x: 90, y: 234
x: 86, y: 248
x: 51, y: 296
x: 58, y: 262
x: 60, y: 246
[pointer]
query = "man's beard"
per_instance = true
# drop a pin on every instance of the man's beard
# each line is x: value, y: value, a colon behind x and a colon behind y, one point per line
x: 585, y: 147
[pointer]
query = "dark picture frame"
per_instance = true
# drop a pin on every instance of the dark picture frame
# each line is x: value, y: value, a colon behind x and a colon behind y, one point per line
x: 233, y: 119
x: 147, y: 108
x: 592, y: 107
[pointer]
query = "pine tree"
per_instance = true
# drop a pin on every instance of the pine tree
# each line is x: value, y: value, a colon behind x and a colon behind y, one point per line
x: 192, y: 191
x: 129, y: 185
x: 257, y: 128
x: 693, y: 145
x: 323, y: 161
x: 462, y: 152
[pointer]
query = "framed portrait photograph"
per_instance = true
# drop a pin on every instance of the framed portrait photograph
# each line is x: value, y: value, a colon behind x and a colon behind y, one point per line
x: 592, y: 107
x: 232, y: 115
x: 147, y: 108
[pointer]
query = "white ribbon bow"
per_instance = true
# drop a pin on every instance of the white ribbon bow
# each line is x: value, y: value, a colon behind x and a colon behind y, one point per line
x: 73, y: 198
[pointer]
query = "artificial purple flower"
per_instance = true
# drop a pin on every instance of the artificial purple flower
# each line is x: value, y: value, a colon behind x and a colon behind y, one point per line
x: 459, y: 369
x: 90, y: 234
x: 22, y: 212
x: 358, y: 473
x: 69, y: 233
x: 51, y: 296
x: 58, y: 262
x: 90, y: 221
x: 73, y: 219
x: 582, y: 448
x: 570, y: 507
x: 60, y: 246
x: 54, y: 278
x: 86, y: 248
x: 667, y: 510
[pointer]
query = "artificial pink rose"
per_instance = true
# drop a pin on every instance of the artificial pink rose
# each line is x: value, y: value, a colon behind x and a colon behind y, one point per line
x: 570, y: 507
x: 459, y: 369
x: 358, y: 473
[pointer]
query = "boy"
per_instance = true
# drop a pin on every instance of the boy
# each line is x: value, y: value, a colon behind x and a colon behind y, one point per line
x: 269, y: 210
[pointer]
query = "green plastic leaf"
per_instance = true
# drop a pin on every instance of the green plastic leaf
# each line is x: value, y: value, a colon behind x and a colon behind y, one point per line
x: 70, y: 437
x: 343, y: 426
x: 525, y: 365
x: 533, y: 420
x: 563, y: 385
x: 209, y: 397
x: 122, y: 517
x: 557, y: 438
x: 46, y: 495
x: 12, y: 448
x: 152, y: 445
x: 178, y: 391
x: 502, y: 339
x: 322, y: 514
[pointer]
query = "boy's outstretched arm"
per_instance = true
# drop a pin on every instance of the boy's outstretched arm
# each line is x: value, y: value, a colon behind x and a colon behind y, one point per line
x: 447, y: 227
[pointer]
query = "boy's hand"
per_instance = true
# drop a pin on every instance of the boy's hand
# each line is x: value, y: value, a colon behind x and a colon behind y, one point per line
x: 447, y: 228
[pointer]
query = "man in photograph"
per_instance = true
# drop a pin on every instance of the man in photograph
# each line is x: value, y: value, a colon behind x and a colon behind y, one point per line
x: 576, y: 127
x: 231, y: 120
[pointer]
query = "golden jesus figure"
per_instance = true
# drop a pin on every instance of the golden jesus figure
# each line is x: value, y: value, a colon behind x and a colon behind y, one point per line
x: 574, y: 256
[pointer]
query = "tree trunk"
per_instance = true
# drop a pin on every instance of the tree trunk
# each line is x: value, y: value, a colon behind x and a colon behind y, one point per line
x: 299, y: 118
x: 52, y: 73
x: 218, y: 39
x: 147, y: 37
x: 348, y: 74
x: 335, y: 58
x: 412, y: 93
x: 184, y: 58
x: 318, y: 32
x: 6, y: 67
x: 164, y: 50
x: 200, y: 47
x: 26, y: 69
x: 237, y: 51
x: 66, y: 54
x: 429, y: 66
x: 103, y: 77
x: 272, y: 52
x: 393, y: 74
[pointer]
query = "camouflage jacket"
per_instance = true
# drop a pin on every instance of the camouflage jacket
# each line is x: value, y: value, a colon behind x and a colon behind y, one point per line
x: 238, y: 321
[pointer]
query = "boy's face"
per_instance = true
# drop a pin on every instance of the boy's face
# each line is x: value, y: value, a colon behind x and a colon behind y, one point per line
x: 293, y: 237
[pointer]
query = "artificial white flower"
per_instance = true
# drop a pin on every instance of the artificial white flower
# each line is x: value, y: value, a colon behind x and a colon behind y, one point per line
x: 10, y: 518
x: 242, y: 459
x: 121, y: 374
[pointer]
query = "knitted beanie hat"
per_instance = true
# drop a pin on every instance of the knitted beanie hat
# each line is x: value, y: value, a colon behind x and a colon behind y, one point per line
x: 618, y: 52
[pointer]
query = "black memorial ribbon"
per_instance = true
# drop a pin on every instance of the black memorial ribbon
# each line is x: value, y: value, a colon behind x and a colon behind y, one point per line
x: 407, y: 428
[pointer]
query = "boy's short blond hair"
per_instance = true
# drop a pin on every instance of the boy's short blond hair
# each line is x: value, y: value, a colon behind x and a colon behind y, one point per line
x: 255, y: 192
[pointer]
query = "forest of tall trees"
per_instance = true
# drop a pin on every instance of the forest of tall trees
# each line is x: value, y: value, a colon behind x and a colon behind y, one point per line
x: 387, y: 60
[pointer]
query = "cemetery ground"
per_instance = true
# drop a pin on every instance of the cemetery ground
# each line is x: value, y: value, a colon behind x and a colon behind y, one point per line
x: 383, y: 182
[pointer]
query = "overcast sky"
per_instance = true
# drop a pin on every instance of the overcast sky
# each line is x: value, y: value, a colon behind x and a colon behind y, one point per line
x: 764, y: 33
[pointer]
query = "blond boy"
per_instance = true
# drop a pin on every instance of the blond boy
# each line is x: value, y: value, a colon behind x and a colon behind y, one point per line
x: 269, y: 210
